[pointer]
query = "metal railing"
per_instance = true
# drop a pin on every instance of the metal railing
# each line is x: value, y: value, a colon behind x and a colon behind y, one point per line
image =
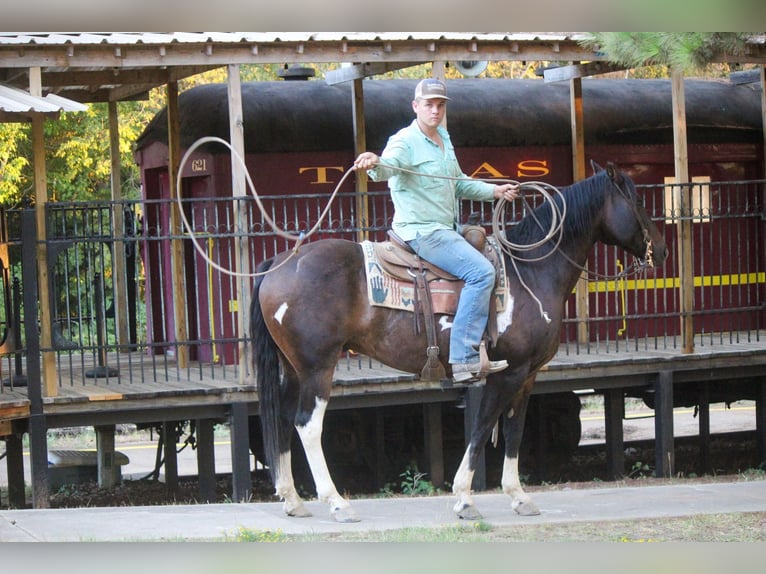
x: 98, y: 318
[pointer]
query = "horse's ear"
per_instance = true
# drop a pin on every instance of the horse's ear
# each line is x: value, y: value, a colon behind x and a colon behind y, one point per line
x: 613, y: 172
x: 595, y: 167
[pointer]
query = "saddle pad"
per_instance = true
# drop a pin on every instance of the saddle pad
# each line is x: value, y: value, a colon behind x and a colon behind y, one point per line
x: 383, y: 290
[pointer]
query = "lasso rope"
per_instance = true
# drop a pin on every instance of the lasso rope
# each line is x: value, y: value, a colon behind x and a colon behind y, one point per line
x: 498, y: 224
x: 297, y: 238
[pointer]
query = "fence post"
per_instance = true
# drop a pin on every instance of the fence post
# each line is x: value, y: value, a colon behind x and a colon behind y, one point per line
x: 38, y: 444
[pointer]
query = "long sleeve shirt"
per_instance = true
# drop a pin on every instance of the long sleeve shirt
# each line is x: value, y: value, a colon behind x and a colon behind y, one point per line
x: 424, y: 204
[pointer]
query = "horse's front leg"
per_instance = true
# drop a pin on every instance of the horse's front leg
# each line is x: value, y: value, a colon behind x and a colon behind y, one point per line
x: 513, y: 427
x: 492, y: 399
x: 310, y: 432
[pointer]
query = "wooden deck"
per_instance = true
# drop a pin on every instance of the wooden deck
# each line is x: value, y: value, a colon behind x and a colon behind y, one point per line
x: 156, y: 384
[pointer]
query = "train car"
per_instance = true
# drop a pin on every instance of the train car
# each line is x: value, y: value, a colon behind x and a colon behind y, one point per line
x: 299, y: 142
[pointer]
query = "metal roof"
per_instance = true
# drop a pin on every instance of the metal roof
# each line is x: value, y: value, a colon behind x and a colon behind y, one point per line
x: 18, y: 105
x: 94, y: 66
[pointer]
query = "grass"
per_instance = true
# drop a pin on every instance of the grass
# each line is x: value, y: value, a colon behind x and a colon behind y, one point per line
x: 731, y: 527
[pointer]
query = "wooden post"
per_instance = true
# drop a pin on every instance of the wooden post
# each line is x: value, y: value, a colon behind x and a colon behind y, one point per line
x: 239, y: 191
x: 614, y: 412
x: 685, y: 263
x: 177, y: 245
x: 118, y: 251
x: 14, y: 450
x: 241, y: 480
x: 50, y: 385
x: 664, y: 449
x: 169, y: 441
x: 360, y: 145
x: 434, y: 443
x: 763, y: 117
x: 206, y: 459
x: 106, y: 462
x: 578, y: 174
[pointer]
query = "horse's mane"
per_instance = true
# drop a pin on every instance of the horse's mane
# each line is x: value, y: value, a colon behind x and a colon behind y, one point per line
x: 583, y: 201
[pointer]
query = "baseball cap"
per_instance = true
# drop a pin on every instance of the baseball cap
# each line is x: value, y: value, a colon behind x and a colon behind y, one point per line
x: 431, y: 88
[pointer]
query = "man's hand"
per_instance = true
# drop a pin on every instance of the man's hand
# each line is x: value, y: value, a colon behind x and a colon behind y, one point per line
x: 366, y: 160
x: 507, y: 191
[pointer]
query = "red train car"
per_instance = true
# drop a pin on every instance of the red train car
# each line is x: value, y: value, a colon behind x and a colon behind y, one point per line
x: 299, y: 143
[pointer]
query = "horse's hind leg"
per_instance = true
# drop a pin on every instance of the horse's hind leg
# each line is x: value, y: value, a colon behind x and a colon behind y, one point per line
x: 308, y: 421
x: 284, y: 484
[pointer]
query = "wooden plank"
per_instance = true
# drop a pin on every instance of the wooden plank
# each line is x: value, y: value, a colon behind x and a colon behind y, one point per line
x: 14, y: 411
x: 577, y: 71
x: 365, y: 70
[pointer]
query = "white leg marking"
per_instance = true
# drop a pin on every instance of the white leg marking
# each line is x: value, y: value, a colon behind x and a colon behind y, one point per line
x: 311, y: 437
x: 511, y: 483
x: 445, y: 323
x: 280, y: 314
x: 505, y: 319
x: 461, y: 485
x: 285, y: 487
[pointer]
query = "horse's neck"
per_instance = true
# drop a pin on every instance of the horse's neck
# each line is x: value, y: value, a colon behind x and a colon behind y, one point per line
x: 556, y: 275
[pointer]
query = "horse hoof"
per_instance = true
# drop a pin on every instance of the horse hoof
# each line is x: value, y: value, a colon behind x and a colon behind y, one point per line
x: 299, y: 511
x: 345, y: 515
x: 469, y: 512
x: 527, y: 508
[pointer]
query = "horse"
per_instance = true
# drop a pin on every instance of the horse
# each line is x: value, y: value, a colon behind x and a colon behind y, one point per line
x: 307, y: 310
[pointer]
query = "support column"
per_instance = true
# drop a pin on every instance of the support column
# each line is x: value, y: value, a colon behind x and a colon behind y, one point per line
x: 106, y: 467
x: 14, y: 451
x: 472, y: 401
x: 432, y: 415
x: 664, y: 448
x: 704, y: 428
x: 206, y: 459
x: 241, y: 480
x: 614, y: 413
x: 760, y: 418
x: 171, y: 457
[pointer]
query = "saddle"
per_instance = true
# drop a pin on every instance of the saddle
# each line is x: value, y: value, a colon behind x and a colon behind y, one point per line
x: 437, y: 291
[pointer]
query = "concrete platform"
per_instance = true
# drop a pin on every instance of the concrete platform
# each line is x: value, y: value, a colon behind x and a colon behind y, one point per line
x: 217, y: 522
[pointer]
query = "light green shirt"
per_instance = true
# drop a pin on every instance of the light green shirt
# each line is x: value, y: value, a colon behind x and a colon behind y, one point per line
x: 424, y: 204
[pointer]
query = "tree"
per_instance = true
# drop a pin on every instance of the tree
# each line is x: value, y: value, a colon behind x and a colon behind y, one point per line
x: 686, y: 51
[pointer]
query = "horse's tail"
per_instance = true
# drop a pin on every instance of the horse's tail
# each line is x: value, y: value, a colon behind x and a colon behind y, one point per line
x: 267, y: 375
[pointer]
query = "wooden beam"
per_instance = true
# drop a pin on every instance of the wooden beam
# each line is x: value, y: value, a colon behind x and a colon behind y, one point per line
x: 360, y: 145
x: 239, y: 191
x: 359, y: 71
x: 118, y: 252
x: 562, y: 73
x: 685, y: 264
x: 50, y: 385
x: 181, y: 54
x: 176, y: 246
x: 578, y: 174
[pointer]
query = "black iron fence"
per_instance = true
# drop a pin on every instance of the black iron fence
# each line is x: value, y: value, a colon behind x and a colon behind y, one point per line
x: 128, y: 281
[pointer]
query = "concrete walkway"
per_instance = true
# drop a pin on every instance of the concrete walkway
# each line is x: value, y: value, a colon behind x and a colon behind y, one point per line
x: 222, y: 521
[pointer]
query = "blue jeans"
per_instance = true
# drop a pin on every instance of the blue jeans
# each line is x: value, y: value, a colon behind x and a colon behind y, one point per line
x: 447, y: 249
